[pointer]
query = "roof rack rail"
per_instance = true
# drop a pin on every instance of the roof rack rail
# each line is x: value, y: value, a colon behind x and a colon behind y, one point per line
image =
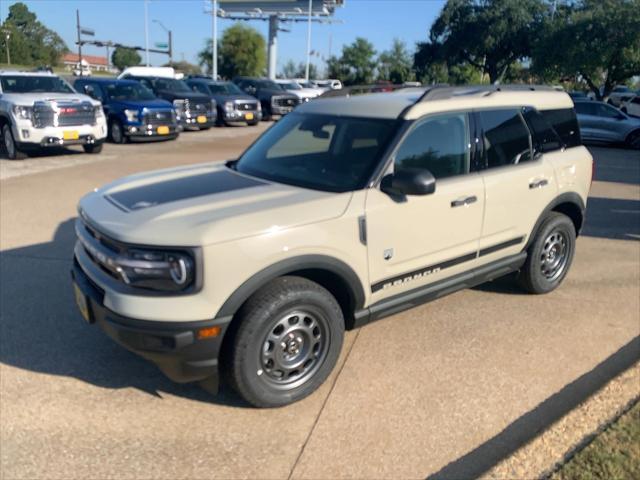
x: 362, y: 89
x: 443, y: 92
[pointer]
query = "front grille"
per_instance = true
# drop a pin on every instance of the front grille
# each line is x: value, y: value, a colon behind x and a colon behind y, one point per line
x: 284, y: 101
x: 198, y: 107
x: 112, y: 247
x: 53, y: 114
x: 246, y: 105
x: 158, y: 117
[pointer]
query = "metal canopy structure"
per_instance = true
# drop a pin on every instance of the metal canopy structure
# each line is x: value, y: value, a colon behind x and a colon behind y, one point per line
x: 274, y: 12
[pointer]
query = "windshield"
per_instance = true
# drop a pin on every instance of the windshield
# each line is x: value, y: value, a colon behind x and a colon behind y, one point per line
x: 171, y: 85
x: 128, y: 91
x: 291, y: 86
x: 321, y: 152
x: 225, y: 89
x: 31, y: 84
x: 268, y: 84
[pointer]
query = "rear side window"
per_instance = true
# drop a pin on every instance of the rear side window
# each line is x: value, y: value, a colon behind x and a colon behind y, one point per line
x: 544, y: 137
x: 565, y: 123
x: 505, y: 138
x: 636, y: 100
x: 438, y: 144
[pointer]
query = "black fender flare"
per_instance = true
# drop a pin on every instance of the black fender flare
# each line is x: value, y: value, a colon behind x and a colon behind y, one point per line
x: 567, y: 197
x: 290, y: 265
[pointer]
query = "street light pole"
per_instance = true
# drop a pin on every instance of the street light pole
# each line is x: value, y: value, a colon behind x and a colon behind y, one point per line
x: 170, y: 40
x: 214, y: 39
x: 7, y: 36
x: 79, y: 41
x: 146, y: 31
x: 306, y: 74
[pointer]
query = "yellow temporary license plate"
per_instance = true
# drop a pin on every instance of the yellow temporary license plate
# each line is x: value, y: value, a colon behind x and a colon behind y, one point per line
x: 70, y: 135
x: 249, y: 116
x: 81, y: 301
x: 201, y: 119
x: 163, y: 130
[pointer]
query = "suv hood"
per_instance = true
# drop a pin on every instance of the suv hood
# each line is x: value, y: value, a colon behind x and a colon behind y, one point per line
x: 171, y: 95
x: 154, y: 104
x: 201, y: 205
x: 28, y: 99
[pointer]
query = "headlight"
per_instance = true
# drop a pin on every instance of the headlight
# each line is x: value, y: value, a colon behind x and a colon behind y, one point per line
x: 178, y: 105
x: 22, y: 112
x: 99, y: 112
x: 228, y: 106
x: 213, y: 105
x: 157, y: 270
x: 259, y: 107
x: 132, y: 115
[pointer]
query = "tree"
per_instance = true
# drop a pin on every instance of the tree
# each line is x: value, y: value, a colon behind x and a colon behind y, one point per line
x: 489, y: 35
x: 185, y: 67
x: 396, y: 64
x: 123, y: 57
x: 595, y: 40
x: 356, y: 65
x: 291, y: 70
x: 241, y: 51
x: 432, y: 68
x: 31, y: 42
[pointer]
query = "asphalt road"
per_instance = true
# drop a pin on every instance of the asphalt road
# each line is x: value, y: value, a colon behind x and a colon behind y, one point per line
x: 448, y: 388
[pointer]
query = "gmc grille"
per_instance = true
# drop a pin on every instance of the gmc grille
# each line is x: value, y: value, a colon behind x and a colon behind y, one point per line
x: 47, y: 114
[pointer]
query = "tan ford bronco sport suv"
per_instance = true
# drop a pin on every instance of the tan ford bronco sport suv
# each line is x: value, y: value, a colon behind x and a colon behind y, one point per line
x: 347, y: 210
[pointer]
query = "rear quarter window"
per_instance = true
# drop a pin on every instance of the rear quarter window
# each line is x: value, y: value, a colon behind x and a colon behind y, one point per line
x: 565, y: 123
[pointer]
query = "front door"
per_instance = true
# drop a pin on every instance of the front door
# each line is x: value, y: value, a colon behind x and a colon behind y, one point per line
x: 416, y: 240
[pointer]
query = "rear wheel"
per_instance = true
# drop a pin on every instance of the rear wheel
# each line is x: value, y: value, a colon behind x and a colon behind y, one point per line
x: 287, y: 342
x: 550, y: 255
x: 13, y: 153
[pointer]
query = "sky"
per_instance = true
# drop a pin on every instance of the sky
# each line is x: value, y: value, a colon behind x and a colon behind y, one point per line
x: 122, y: 21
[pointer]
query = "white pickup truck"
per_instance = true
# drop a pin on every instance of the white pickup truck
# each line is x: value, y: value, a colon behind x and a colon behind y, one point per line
x: 40, y: 110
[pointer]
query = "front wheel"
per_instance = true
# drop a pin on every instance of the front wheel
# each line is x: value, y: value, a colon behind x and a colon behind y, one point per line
x: 288, y: 341
x: 550, y: 255
x: 92, y: 147
x: 13, y: 153
x: 116, y: 132
x: 633, y: 140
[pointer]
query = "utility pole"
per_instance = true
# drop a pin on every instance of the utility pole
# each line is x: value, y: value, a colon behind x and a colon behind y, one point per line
x: 146, y: 31
x: 306, y: 74
x: 214, y: 39
x: 79, y: 41
x: 170, y: 48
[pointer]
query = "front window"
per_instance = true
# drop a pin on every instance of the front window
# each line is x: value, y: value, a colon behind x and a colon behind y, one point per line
x: 320, y: 152
x: 33, y: 84
x: 128, y: 91
x: 171, y: 85
x: 268, y: 85
x: 291, y: 86
x: 438, y: 144
x: 225, y: 89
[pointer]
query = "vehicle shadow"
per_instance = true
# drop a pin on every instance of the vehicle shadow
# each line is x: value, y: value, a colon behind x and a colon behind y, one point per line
x: 41, y: 330
x: 47, y: 152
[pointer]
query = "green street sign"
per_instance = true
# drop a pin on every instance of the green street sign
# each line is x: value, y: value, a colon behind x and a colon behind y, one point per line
x: 161, y: 45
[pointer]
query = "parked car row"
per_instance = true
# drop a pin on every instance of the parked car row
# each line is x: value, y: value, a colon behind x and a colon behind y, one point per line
x: 39, y: 109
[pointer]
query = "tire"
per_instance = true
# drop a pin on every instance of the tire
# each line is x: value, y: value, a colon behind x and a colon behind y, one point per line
x: 287, y: 342
x: 116, y: 132
x: 550, y: 255
x: 9, y: 143
x: 92, y: 148
x: 633, y: 140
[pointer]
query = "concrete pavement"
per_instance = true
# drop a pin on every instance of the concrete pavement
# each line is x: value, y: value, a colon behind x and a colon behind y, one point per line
x: 412, y: 394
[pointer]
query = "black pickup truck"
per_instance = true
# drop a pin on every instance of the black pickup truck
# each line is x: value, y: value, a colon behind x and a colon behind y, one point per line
x: 275, y: 101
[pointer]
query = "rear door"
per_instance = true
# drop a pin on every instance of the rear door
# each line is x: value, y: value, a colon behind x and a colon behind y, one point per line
x: 519, y: 183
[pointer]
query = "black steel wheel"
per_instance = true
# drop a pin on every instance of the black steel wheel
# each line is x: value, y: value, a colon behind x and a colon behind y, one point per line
x: 550, y: 254
x: 286, y: 342
x: 116, y: 132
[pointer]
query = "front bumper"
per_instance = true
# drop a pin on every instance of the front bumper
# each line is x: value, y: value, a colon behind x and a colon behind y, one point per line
x: 173, y: 346
x: 241, y: 116
x: 150, y: 131
x: 197, y: 121
x: 26, y: 134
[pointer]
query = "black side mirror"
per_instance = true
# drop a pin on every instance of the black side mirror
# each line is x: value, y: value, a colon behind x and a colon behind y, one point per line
x: 409, y: 181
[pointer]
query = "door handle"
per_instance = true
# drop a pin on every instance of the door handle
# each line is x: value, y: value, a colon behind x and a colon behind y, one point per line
x: 539, y: 183
x: 462, y: 202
